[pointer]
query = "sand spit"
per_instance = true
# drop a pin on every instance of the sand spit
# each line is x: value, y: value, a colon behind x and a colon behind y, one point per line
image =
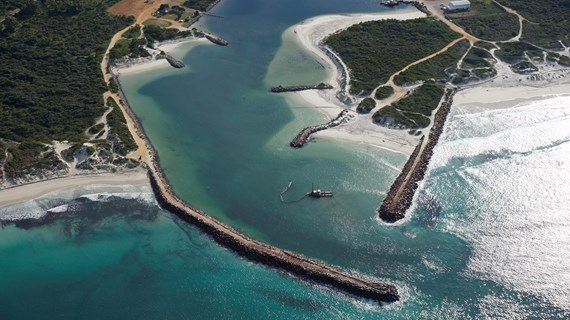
x: 360, y: 129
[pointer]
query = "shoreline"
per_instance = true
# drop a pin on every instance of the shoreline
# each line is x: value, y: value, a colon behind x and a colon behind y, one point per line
x: 502, y: 95
x: 33, y: 190
x: 153, y: 64
x: 360, y: 130
x: 495, y: 95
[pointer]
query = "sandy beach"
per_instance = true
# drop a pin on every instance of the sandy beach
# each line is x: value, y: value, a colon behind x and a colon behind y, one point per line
x: 168, y: 47
x: 360, y: 129
x: 37, y: 189
x: 500, y: 94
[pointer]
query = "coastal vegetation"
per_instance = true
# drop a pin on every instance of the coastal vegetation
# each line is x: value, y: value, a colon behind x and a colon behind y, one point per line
x: 119, y: 133
x: 547, y: 21
x: 513, y: 52
x: 366, y: 105
x: 412, y: 111
x: 129, y: 48
x: 156, y: 33
x: 364, y: 48
x: 439, y: 68
x: 50, y: 74
x: 157, y: 22
x: 478, y: 58
x: 486, y: 20
x: 383, y: 92
x: 201, y: 5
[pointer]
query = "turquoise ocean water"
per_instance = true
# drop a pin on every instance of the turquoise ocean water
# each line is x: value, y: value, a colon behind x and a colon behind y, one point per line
x: 488, y: 236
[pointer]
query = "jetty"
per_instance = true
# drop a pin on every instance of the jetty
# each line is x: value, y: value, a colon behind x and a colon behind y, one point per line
x: 303, y: 136
x: 174, y: 62
x: 216, y: 40
x: 254, y: 250
x: 320, y: 86
x: 401, y: 193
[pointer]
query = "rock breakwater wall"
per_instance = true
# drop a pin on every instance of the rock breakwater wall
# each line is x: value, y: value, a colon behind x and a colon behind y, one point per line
x: 303, y: 136
x: 174, y: 62
x: 272, y: 256
x: 252, y: 249
x: 320, y: 86
x: 401, y: 194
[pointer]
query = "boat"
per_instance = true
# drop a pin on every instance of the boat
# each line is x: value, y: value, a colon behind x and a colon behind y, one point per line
x: 318, y: 193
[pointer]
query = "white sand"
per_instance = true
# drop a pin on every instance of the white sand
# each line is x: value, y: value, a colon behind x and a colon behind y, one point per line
x: 361, y: 129
x: 168, y: 47
x: 501, y: 94
x: 37, y: 189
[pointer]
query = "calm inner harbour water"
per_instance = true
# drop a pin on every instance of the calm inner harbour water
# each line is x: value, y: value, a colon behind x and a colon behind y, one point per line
x: 488, y: 237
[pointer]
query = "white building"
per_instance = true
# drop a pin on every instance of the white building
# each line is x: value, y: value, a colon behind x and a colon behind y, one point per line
x: 459, y: 5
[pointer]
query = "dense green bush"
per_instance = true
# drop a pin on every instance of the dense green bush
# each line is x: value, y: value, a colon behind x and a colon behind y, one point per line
x: 548, y: 23
x: 96, y: 128
x: 156, y: 33
x: 477, y: 58
x: 50, y: 76
x: 412, y: 111
x: 366, y: 105
x: 201, y: 5
x: 488, y: 21
x: 50, y: 72
x: 438, y: 68
x: 119, y: 129
x: 422, y: 100
x: 377, y: 49
x: 384, y: 92
x: 129, y: 48
x: 513, y: 52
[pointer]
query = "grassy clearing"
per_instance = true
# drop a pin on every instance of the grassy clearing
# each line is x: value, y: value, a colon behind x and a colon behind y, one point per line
x: 157, y: 22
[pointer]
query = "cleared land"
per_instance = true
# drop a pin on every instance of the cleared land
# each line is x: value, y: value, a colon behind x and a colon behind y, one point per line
x: 128, y: 8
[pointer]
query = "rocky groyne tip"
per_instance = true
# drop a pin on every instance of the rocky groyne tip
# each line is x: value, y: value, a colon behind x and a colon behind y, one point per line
x: 400, y: 196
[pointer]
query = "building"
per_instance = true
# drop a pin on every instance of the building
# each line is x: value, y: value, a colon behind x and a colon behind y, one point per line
x: 459, y: 5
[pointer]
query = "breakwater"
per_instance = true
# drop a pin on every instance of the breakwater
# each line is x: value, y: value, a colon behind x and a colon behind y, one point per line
x: 174, y: 62
x: 270, y: 255
x: 252, y: 249
x: 320, y: 86
x: 401, y: 193
x: 303, y: 136
x: 216, y: 40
